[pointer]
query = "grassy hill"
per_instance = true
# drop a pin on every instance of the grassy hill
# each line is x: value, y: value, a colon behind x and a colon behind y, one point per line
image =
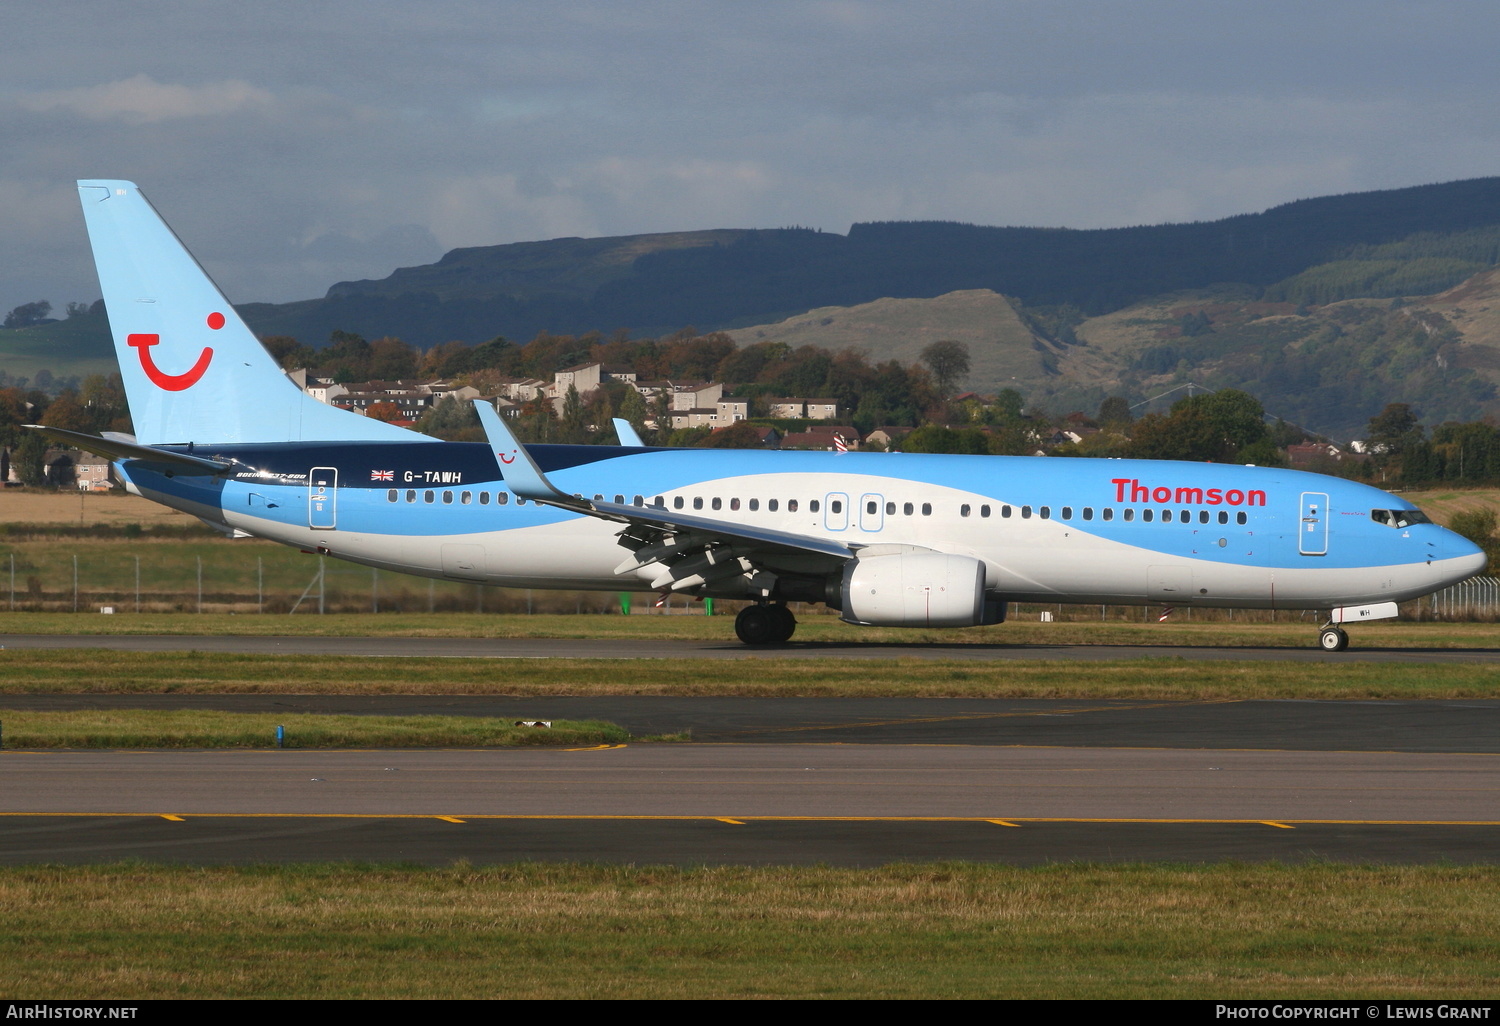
x: 1004, y: 351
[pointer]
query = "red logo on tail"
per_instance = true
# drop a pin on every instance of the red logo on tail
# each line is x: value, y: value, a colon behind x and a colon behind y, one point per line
x: 170, y: 382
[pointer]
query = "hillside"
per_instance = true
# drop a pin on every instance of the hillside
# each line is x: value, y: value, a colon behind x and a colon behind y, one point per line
x: 1327, y: 308
x: 1004, y: 352
x: 721, y: 279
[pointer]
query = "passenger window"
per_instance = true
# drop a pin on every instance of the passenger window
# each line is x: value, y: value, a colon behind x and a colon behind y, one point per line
x: 429, y: 496
x: 890, y: 509
x: 754, y: 505
x: 697, y: 502
x: 871, y: 507
x: 718, y: 503
x: 598, y: 497
x: 1025, y: 512
x: 771, y: 505
x: 1166, y: 516
x: 734, y: 504
x: 984, y: 511
x: 391, y: 495
x: 502, y: 498
x: 619, y: 500
x: 1005, y: 512
x: 639, y: 500
x: 676, y: 502
x: 1046, y: 512
x: 1067, y: 512
x: 813, y: 505
x: 411, y: 495
x: 1203, y: 516
x: 1109, y: 513
x: 1146, y: 515
x: 907, y: 508
x: 1223, y: 517
x: 1129, y: 515
x: 791, y: 505
x: 927, y: 509
x: 466, y: 497
x: 520, y: 501
x: 659, y: 502
x: 835, y: 506
x: 1088, y: 512
x: 484, y: 498
x: 963, y: 510
x: 1186, y: 516
x: 1240, y: 518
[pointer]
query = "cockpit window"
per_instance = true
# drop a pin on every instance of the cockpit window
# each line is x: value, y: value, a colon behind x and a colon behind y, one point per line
x: 1399, y: 517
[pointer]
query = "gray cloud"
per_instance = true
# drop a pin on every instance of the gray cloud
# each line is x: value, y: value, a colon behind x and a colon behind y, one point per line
x: 289, y: 143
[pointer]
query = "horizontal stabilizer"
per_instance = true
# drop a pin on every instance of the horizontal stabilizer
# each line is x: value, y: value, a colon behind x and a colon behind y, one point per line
x: 116, y: 449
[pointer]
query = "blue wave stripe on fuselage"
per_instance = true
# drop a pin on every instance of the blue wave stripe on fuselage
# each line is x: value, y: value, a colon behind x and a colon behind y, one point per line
x: 278, y: 474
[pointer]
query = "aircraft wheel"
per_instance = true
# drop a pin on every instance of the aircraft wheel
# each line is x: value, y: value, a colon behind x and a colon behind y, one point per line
x: 758, y: 625
x: 786, y: 623
x: 1333, y: 640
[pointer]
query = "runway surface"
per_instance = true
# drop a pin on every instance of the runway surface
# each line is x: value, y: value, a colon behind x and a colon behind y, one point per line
x: 758, y: 803
x: 769, y: 781
x: 595, y: 648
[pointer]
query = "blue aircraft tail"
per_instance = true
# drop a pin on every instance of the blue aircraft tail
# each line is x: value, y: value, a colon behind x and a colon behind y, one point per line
x: 193, y: 371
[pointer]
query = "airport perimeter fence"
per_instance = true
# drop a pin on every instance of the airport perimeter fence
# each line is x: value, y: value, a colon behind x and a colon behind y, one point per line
x: 220, y: 577
x: 270, y: 583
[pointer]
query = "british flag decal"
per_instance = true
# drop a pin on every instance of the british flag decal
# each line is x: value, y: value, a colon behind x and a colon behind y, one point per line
x: 382, y: 475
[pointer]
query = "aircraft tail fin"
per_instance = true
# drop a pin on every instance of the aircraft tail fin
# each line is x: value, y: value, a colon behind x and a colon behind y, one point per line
x: 193, y: 371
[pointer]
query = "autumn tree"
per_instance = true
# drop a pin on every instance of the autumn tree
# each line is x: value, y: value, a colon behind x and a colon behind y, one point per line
x: 949, y: 362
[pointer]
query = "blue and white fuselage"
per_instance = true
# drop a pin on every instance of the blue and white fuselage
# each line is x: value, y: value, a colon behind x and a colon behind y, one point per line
x: 898, y: 539
x: 1268, y: 538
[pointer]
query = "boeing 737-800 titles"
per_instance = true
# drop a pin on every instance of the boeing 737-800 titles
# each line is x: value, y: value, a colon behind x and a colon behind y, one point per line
x: 890, y: 539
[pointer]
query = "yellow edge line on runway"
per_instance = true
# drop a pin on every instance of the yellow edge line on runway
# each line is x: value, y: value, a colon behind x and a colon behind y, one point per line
x: 740, y: 820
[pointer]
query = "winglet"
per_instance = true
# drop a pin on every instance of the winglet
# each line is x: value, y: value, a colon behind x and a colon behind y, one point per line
x: 520, y: 471
x: 626, y: 432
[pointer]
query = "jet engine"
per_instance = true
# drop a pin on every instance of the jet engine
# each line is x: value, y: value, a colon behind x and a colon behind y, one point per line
x: 915, y: 589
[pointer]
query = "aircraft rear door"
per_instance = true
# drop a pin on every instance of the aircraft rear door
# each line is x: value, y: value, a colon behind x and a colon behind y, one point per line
x: 1312, y: 530
x: 322, y: 491
x: 871, y: 512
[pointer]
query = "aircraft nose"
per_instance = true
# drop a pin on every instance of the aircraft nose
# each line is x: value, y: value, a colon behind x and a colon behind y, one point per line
x: 1469, y: 558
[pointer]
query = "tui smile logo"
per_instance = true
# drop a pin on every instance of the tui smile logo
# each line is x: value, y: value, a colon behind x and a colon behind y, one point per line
x: 173, y: 382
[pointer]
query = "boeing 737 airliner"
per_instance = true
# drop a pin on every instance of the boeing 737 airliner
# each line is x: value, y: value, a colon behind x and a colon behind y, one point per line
x: 889, y: 539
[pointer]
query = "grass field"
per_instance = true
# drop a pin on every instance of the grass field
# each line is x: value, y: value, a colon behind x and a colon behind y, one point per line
x: 97, y: 672
x: 559, y: 931
x: 200, y: 728
x: 1290, y: 631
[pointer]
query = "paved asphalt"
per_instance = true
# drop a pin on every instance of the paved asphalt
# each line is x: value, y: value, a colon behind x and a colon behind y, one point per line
x: 841, y: 781
x: 596, y: 648
x: 752, y: 803
x: 1405, y: 726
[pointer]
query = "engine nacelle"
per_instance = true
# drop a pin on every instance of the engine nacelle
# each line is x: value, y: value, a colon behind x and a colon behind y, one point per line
x: 914, y: 589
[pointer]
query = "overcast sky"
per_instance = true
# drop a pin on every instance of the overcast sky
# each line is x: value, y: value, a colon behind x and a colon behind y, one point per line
x: 295, y: 144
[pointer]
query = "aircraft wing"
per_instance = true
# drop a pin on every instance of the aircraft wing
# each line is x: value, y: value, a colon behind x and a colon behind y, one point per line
x: 119, y: 449
x: 688, y: 550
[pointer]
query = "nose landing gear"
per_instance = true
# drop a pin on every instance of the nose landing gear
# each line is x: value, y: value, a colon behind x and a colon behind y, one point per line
x: 1333, y: 639
x: 765, y: 624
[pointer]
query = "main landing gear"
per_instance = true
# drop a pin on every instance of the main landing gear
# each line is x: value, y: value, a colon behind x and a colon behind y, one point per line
x: 768, y: 624
x: 1333, y: 639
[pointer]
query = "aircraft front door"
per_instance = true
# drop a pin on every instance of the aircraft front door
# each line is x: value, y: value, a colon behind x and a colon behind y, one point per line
x: 871, y: 512
x: 1312, y: 530
x: 836, y: 511
x: 322, y: 491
